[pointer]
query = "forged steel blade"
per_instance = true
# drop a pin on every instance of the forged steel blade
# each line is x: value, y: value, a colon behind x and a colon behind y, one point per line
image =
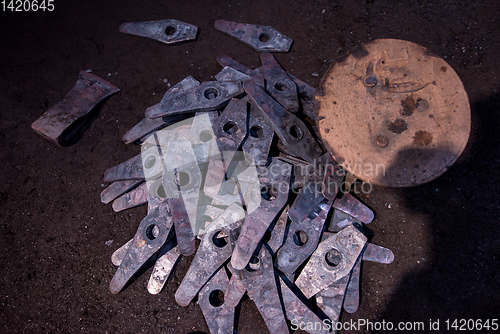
x: 148, y: 125
x: 118, y: 188
x: 226, y: 61
x: 260, y: 283
x: 275, y: 182
x: 135, y: 197
x: 260, y: 137
x: 119, y: 254
x: 214, y: 249
x: 278, y: 84
x: 235, y: 291
x: 306, y: 97
x: 351, y: 299
x: 62, y: 121
x: 182, y: 225
x: 278, y: 232
x: 297, y: 312
x: 219, y: 316
x: 163, y: 267
x: 127, y: 170
x: 230, y: 74
x: 302, y: 239
x: 261, y: 38
x: 375, y: 253
x: 354, y: 207
x: 332, y: 260
x: 290, y: 129
x: 144, y: 246
x: 209, y: 95
x: 166, y: 31
x: 330, y: 300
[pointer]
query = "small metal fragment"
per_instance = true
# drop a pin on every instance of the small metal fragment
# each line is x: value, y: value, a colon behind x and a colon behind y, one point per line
x: 290, y: 129
x: 166, y: 31
x: 118, y: 188
x: 183, y: 230
x: 209, y: 95
x: 354, y: 207
x: 235, y: 291
x: 306, y: 97
x: 378, y: 254
x: 135, y: 197
x: 219, y: 316
x: 119, y: 254
x: 226, y: 61
x: 230, y: 74
x: 278, y: 84
x: 260, y: 136
x: 298, y: 312
x: 332, y: 260
x: 128, y: 170
x: 278, y: 232
x: 330, y: 300
x: 61, y: 122
x: 261, y: 38
x: 163, y: 267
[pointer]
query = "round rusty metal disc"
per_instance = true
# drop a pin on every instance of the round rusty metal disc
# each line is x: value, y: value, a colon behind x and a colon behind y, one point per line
x: 393, y: 114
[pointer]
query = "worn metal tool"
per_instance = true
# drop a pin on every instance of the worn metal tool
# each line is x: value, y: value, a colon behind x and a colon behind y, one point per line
x: 63, y: 121
x: 166, y: 31
x: 261, y: 38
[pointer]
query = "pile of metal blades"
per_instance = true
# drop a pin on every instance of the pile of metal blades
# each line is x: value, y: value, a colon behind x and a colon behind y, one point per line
x: 237, y: 163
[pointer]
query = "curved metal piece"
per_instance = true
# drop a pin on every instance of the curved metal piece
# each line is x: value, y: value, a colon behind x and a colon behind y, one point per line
x: 261, y: 38
x: 166, y: 31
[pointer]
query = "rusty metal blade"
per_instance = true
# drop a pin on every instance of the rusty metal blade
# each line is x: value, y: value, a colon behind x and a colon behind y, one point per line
x: 261, y: 38
x: 183, y: 230
x: 330, y: 300
x: 119, y: 254
x: 235, y: 291
x: 278, y: 84
x: 135, y: 197
x: 127, y: 170
x: 166, y: 31
x: 227, y: 61
x: 354, y: 207
x: 219, y: 316
x: 375, y: 253
x: 351, y: 299
x: 291, y: 130
x: 63, y: 120
x: 118, y: 188
x: 260, y: 136
x: 162, y: 269
x: 230, y: 74
x: 278, y: 232
x: 306, y: 97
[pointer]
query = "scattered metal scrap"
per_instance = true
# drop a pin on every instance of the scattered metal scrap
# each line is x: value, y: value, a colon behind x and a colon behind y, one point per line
x: 165, y: 31
x: 223, y: 176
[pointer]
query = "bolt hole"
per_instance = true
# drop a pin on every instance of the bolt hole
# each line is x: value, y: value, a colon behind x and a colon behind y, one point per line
x: 305, y: 96
x: 231, y: 187
x: 160, y: 191
x: 269, y: 193
x: 152, y: 232
x: 205, y: 136
x: 220, y: 239
x: 370, y: 81
x: 300, y: 238
x: 230, y: 128
x: 181, y: 178
x: 256, y: 131
x: 296, y: 132
x: 211, y: 93
x: 216, y: 298
x: 263, y: 37
x: 267, y: 237
x: 169, y: 30
x: 253, y: 264
x: 422, y: 105
x: 280, y: 86
x: 333, y: 258
x: 150, y: 161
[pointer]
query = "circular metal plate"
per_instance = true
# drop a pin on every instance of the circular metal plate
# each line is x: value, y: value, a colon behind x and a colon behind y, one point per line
x: 392, y: 113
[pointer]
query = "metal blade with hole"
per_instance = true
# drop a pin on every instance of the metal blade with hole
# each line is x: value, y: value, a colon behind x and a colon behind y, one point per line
x: 278, y: 84
x: 209, y: 95
x: 291, y: 130
x: 135, y: 197
x: 62, y: 121
x: 255, y: 225
x: 260, y: 283
x: 297, y: 312
x: 214, y: 249
x: 261, y: 38
x: 166, y: 31
x: 118, y: 188
x: 260, y: 136
x: 302, y: 239
x: 332, y: 260
x: 219, y: 316
x: 148, y: 125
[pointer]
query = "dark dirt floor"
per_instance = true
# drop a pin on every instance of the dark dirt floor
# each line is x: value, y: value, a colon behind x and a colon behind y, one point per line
x: 55, y: 264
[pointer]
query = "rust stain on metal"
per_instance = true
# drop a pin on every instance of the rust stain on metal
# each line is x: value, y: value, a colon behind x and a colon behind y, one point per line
x: 397, y: 126
x: 422, y: 138
x: 409, y: 105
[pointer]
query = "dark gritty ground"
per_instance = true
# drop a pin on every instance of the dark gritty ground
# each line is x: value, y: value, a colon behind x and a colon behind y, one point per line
x: 55, y: 264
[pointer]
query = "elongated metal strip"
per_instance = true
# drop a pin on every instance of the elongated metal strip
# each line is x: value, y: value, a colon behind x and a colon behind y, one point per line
x: 375, y: 253
x: 351, y: 300
x: 212, y: 252
x: 330, y: 300
x: 145, y: 245
x: 127, y: 170
x: 275, y: 181
x: 297, y: 312
x: 291, y: 131
x: 148, y: 125
x: 332, y: 260
x: 278, y: 84
x: 209, y: 95
x: 227, y: 61
x: 183, y: 230
x: 219, y: 316
x: 230, y: 74
x: 260, y: 136
x: 165, y: 31
x: 334, y: 176
x: 235, y: 291
x: 118, y: 188
x: 261, y: 38
x: 354, y: 207
x: 135, y: 197
x: 62, y: 121
x: 162, y: 269
x: 260, y: 283
x: 278, y: 232
x: 302, y: 239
